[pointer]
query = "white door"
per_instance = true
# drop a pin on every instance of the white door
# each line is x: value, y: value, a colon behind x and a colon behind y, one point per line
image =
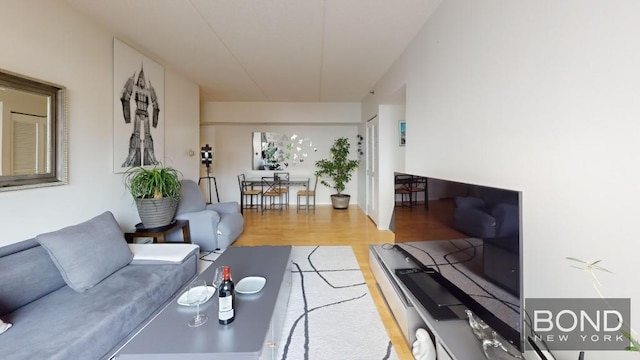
x: 29, y: 148
x: 372, y: 166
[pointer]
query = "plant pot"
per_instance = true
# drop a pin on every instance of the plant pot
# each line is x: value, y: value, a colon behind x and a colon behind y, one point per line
x: 156, y: 212
x: 340, y: 201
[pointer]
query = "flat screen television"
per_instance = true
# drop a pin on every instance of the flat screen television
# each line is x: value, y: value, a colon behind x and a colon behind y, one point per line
x: 470, y: 235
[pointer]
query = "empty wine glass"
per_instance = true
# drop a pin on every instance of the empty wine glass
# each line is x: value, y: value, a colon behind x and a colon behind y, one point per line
x: 196, y: 295
x: 217, y: 277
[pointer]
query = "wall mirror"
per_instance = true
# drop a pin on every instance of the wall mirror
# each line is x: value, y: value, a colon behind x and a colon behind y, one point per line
x: 270, y: 150
x: 33, y: 137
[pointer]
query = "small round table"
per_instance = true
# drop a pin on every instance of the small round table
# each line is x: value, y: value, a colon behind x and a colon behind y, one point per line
x: 159, y: 234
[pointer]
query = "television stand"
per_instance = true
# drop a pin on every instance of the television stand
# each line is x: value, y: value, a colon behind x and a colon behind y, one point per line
x: 453, y: 338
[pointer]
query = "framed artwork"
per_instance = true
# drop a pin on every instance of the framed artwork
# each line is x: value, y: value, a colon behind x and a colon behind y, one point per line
x: 138, y: 109
x: 402, y: 131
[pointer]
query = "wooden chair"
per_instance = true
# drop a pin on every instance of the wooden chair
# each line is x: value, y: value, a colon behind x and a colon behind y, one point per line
x: 418, y: 185
x: 307, y: 194
x: 271, y: 195
x: 248, y: 192
x: 283, y: 177
x: 403, y: 185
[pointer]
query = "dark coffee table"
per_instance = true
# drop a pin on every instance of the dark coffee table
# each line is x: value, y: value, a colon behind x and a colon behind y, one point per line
x: 256, y: 330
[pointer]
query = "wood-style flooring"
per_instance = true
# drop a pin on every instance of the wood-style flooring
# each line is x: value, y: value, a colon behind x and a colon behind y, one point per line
x: 327, y: 227
x: 419, y: 223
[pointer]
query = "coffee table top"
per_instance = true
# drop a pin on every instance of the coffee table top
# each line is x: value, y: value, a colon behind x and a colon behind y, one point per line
x: 168, y: 336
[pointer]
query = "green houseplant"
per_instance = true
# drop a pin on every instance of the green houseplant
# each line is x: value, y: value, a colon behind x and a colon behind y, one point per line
x: 336, y: 172
x: 156, y: 192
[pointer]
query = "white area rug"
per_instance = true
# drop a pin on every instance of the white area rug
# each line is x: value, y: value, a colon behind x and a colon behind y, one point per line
x: 331, y: 314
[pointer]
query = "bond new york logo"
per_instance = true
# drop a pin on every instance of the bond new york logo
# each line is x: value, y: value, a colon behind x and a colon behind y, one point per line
x: 578, y: 324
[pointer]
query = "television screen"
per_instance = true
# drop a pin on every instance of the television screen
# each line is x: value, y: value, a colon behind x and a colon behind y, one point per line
x: 470, y: 235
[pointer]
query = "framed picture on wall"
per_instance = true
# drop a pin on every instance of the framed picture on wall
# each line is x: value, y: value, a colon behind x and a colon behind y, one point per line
x: 138, y: 109
x: 402, y: 131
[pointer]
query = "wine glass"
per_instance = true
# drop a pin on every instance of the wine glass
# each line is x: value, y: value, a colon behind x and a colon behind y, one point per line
x: 196, y: 295
x: 217, y: 277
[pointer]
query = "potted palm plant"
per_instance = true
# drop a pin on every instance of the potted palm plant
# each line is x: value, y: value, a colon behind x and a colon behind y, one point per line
x: 336, y: 172
x: 156, y: 192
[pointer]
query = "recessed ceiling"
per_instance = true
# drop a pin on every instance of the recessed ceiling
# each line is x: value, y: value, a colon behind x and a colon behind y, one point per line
x: 268, y: 50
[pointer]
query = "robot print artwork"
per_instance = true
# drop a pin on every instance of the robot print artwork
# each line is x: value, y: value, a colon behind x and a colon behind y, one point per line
x: 138, y: 109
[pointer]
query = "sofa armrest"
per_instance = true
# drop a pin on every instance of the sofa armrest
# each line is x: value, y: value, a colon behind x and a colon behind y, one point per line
x: 209, y: 217
x: 203, y: 226
x: 468, y: 202
x: 507, y: 219
x: 162, y: 253
x: 225, y: 207
x: 474, y: 222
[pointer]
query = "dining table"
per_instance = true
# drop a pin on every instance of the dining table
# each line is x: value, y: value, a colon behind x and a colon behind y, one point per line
x: 293, y: 181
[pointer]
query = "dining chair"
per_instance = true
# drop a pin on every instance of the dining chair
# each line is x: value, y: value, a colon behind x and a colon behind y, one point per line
x: 418, y: 185
x: 307, y: 194
x: 283, y: 177
x: 403, y: 185
x: 248, y: 192
x: 271, y: 195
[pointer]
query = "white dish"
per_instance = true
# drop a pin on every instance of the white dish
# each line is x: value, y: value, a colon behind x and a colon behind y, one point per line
x: 182, y: 300
x: 250, y: 285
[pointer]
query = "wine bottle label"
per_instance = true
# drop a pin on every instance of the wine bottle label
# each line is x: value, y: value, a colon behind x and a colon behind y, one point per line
x: 225, y: 306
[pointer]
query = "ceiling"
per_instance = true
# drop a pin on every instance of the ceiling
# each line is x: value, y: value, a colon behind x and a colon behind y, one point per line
x: 268, y: 50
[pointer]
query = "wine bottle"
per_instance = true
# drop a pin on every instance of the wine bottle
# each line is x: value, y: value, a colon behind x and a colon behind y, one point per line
x: 226, y: 302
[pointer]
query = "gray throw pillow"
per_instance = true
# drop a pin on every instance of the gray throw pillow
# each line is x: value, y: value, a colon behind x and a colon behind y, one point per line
x: 88, y: 252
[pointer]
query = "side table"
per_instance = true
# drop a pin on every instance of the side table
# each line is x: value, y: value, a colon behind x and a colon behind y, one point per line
x: 159, y: 234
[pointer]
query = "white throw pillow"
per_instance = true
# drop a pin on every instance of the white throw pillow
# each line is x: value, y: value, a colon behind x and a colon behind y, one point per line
x: 4, y: 326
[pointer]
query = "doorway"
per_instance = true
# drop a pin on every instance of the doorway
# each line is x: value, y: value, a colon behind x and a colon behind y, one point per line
x: 371, y: 169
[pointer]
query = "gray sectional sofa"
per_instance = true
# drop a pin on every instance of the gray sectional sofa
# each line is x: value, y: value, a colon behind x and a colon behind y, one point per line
x: 79, y: 293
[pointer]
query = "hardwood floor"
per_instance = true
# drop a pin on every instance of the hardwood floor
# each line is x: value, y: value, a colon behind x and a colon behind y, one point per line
x: 419, y: 223
x: 327, y: 227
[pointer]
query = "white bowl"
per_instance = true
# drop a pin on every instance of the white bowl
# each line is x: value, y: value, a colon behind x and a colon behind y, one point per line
x: 182, y: 300
x: 250, y: 285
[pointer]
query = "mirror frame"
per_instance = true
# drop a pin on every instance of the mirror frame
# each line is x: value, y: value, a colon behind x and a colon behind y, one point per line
x: 57, y: 145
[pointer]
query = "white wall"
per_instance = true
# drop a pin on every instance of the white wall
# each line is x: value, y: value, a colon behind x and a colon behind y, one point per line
x: 391, y: 160
x: 541, y: 97
x: 227, y: 127
x: 279, y: 112
x: 50, y: 41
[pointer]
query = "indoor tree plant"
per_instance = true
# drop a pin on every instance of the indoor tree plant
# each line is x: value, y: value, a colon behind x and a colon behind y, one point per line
x: 156, y: 192
x: 336, y: 172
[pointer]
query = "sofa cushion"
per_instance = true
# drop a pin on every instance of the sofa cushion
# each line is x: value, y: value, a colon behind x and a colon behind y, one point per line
x: 191, y: 199
x: 21, y: 263
x: 91, y: 325
x: 88, y: 252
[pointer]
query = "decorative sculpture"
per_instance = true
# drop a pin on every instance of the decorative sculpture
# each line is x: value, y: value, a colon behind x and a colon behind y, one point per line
x: 423, y: 348
x: 488, y: 338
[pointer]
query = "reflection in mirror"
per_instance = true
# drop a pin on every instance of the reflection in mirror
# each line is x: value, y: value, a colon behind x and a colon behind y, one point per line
x: 32, y: 133
x: 274, y: 151
x: 269, y: 150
